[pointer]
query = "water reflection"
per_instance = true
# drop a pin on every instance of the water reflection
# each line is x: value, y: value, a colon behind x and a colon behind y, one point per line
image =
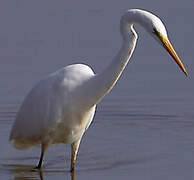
x: 26, y: 172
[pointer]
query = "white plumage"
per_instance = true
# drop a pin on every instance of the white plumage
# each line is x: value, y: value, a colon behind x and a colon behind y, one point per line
x: 61, y: 107
x: 49, y: 113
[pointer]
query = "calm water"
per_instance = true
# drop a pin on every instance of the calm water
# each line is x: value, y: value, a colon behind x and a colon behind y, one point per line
x: 144, y: 129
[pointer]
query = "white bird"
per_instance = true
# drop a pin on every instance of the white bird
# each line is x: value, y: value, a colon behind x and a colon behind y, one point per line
x: 61, y: 107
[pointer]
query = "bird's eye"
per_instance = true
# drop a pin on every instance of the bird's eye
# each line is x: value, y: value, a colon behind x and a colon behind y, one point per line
x: 154, y: 31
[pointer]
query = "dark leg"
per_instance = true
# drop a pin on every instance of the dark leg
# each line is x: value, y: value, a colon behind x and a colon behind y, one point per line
x: 73, y: 175
x: 74, y: 150
x: 41, y: 175
x: 43, y: 150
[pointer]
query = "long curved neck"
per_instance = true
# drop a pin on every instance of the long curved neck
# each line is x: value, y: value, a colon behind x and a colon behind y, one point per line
x: 107, y: 79
x: 98, y: 86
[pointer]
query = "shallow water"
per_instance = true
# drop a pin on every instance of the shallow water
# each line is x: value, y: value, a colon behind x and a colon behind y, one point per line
x: 120, y: 143
x: 143, y: 129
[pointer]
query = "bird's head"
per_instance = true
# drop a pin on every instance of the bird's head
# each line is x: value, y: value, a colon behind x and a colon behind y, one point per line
x: 155, y: 27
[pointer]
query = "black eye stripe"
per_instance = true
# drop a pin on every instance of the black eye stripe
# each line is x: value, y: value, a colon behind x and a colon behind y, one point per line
x: 154, y: 31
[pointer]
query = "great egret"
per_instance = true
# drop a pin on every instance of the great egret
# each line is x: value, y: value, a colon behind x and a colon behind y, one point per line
x: 60, y: 108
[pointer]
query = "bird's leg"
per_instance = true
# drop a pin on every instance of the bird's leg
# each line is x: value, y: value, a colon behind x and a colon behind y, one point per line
x: 74, y: 150
x: 43, y: 150
x: 73, y: 175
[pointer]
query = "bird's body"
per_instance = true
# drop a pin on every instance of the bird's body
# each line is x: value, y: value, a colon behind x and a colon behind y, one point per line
x: 61, y: 107
x: 50, y: 110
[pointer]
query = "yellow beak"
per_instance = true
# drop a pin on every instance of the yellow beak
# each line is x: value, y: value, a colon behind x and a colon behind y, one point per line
x: 168, y: 46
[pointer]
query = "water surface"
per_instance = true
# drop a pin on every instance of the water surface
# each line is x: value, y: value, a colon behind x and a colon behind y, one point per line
x: 143, y: 129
